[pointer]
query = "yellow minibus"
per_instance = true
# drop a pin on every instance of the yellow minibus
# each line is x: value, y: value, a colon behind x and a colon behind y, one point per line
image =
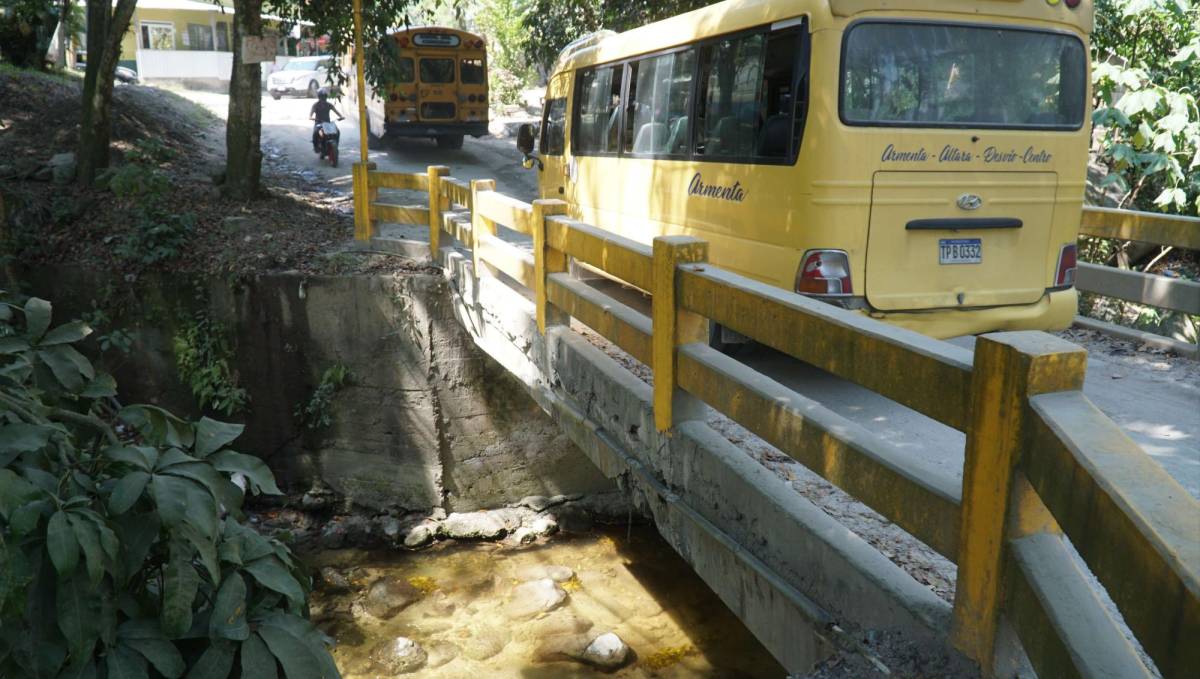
x: 921, y: 161
x: 436, y: 86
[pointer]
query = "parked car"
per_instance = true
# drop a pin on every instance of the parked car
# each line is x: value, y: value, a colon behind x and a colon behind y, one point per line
x: 303, y: 76
x: 127, y: 75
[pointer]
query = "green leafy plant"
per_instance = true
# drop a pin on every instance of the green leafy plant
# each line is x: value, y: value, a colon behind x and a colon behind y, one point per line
x: 203, y: 355
x: 122, y: 553
x: 157, y: 232
x: 314, y: 413
x: 1146, y: 67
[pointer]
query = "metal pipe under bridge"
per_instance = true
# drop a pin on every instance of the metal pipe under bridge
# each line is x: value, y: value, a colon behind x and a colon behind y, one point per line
x: 1070, y: 542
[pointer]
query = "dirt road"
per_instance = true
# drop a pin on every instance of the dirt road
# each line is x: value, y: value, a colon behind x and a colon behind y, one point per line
x: 287, y: 137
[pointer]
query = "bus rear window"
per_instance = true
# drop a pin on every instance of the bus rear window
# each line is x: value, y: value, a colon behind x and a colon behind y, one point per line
x: 927, y: 75
x: 471, y: 71
x: 437, y: 70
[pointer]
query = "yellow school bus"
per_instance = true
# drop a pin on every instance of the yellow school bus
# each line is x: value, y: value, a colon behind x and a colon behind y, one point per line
x: 919, y: 160
x: 436, y: 86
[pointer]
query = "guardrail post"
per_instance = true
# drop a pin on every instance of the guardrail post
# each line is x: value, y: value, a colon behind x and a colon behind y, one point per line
x: 360, y: 184
x: 479, y: 225
x: 1009, y: 368
x: 436, y: 172
x: 546, y: 261
x: 672, y: 326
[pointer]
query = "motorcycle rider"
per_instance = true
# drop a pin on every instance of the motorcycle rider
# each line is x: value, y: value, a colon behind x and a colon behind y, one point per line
x: 320, y: 114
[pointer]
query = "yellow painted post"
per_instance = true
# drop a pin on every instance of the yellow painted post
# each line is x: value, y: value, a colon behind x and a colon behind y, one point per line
x: 363, y: 229
x: 1008, y: 369
x: 672, y: 325
x: 436, y: 172
x: 479, y: 225
x: 546, y: 261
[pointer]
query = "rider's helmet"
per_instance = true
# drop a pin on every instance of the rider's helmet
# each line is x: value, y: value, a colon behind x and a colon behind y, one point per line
x: 323, y: 94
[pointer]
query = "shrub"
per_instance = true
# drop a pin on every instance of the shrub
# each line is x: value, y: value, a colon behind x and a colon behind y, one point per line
x: 122, y: 553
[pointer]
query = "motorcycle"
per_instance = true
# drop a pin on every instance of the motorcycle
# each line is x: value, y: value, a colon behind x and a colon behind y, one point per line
x: 328, y: 137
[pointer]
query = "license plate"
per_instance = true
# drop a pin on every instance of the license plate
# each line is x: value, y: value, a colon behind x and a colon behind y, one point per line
x: 960, y: 251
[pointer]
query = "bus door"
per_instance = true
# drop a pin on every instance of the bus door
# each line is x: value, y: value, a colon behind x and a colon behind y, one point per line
x: 556, y: 173
x: 436, y: 92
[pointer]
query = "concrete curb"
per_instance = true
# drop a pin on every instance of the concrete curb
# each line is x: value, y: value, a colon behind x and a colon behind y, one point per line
x: 1175, y: 346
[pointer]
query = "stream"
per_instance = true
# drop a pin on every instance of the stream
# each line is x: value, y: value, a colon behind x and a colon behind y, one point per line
x: 478, y: 609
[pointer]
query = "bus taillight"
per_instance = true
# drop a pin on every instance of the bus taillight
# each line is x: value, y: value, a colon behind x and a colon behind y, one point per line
x: 824, y: 272
x: 1065, y: 276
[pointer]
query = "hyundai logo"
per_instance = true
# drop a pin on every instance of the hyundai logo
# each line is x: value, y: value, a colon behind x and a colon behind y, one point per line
x: 969, y: 201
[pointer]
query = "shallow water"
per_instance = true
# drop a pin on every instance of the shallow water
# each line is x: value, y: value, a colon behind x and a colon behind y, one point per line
x: 632, y: 584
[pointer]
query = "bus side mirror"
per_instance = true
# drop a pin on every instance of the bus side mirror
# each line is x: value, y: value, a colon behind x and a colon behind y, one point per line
x: 525, y: 139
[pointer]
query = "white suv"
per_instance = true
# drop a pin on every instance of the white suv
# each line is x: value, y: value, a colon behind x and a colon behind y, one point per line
x: 305, y: 75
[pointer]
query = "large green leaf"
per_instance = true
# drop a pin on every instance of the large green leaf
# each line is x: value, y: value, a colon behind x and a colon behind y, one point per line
x: 162, y: 654
x: 89, y: 539
x: 270, y: 572
x: 229, y: 611
x: 257, y: 660
x: 22, y: 438
x: 253, y: 468
x: 228, y: 494
x: 25, y: 517
x: 66, y: 334
x: 216, y: 662
x: 13, y: 344
x: 70, y: 368
x: 127, y: 491
x: 137, y: 533
x: 293, y: 654
x: 101, y: 386
x: 171, y: 494
x: 15, y: 572
x: 125, y: 663
x: 14, y: 492
x: 172, y: 457
x: 303, y: 630
x: 137, y: 456
x: 212, y: 435
x: 205, y: 546
x: 62, y: 544
x: 159, y: 426
x: 78, y: 608
x: 37, y: 317
x: 180, y: 582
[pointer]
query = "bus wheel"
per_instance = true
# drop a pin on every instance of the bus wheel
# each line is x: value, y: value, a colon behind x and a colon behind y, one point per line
x: 450, y: 141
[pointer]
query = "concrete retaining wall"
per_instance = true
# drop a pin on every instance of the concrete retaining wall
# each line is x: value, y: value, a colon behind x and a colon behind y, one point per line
x: 427, y: 420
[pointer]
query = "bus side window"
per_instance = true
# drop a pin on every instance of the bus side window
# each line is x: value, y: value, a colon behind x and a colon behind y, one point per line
x: 598, y: 112
x: 749, y: 97
x: 656, y: 118
x: 553, y: 138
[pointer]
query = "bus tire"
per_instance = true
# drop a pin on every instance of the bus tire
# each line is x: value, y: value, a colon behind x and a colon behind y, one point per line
x: 451, y: 142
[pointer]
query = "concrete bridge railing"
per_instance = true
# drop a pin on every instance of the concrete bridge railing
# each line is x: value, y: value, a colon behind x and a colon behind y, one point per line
x: 1176, y: 294
x: 1047, y: 477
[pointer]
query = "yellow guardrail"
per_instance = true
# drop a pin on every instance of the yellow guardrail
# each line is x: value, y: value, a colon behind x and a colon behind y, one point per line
x: 1134, y: 286
x: 1042, y: 464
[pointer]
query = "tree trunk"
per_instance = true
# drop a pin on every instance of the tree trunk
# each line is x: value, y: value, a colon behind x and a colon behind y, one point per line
x: 64, y: 33
x: 243, y: 152
x: 104, y: 34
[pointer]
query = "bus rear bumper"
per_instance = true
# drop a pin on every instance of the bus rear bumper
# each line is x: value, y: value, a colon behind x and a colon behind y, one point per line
x: 419, y: 129
x: 1054, y: 311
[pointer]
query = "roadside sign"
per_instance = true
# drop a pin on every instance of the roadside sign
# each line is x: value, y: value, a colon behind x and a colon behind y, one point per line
x: 256, y: 50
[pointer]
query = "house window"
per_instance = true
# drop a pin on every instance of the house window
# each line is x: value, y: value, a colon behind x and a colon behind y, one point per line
x: 157, y: 35
x: 222, y: 36
x: 200, y: 37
